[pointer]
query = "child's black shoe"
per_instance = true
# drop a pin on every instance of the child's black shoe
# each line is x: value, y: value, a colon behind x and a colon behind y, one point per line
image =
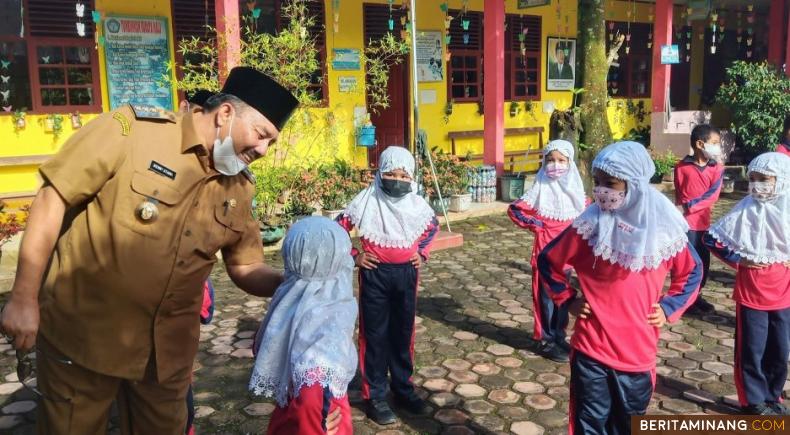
x: 413, y: 404
x: 554, y: 352
x: 761, y: 409
x: 779, y: 408
x: 380, y: 412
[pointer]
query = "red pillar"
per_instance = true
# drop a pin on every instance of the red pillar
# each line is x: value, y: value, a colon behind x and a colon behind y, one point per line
x: 228, y: 34
x: 777, y: 28
x: 662, y: 32
x: 494, y: 83
x: 787, y: 43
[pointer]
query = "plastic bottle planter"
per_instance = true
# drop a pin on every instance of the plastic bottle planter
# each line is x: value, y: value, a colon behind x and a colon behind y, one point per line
x: 366, y: 136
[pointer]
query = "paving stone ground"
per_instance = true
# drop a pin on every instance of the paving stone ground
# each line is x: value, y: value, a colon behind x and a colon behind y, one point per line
x: 475, y: 359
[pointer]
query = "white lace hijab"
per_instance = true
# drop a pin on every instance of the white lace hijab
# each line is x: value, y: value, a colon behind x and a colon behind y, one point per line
x: 385, y: 221
x: 760, y: 231
x: 560, y: 199
x: 647, y: 229
x: 307, y: 336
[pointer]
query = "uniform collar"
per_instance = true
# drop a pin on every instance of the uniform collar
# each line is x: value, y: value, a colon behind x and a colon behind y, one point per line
x: 190, y: 137
x: 693, y: 160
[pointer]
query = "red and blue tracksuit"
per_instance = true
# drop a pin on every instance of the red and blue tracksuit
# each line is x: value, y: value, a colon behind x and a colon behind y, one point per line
x: 697, y: 189
x: 762, y: 333
x: 206, y: 314
x: 550, y: 319
x: 387, y: 311
x: 306, y: 414
x: 613, y: 355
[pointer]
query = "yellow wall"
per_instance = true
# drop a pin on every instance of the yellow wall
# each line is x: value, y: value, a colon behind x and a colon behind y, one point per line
x: 332, y: 127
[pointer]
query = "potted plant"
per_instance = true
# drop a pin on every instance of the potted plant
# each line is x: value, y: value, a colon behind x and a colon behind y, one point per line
x: 452, y: 175
x: 338, y: 184
x: 515, y: 109
x: 366, y: 134
x: 664, y: 165
x: 19, y: 119
x: 304, y: 196
x: 270, y: 183
x: 10, y: 225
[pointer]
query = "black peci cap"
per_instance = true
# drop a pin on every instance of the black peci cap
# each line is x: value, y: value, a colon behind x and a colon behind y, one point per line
x: 198, y: 97
x: 262, y: 93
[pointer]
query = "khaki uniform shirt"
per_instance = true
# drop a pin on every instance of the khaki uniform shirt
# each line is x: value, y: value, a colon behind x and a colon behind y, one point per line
x: 120, y: 289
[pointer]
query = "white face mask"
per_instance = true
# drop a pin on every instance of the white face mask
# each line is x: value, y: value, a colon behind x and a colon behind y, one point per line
x: 762, y: 191
x: 712, y: 151
x: 226, y: 161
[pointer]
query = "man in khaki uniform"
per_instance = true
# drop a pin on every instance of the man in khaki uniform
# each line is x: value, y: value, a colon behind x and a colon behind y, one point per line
x: 119, y: 241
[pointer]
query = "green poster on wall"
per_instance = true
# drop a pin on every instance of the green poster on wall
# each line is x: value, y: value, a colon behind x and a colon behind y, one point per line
x: 523, y: 4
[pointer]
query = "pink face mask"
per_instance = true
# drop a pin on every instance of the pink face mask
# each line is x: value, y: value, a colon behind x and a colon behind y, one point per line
x: 608, y: 199
x: 556, y: 170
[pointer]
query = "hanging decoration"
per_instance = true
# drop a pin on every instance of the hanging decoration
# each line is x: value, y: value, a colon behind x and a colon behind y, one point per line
x: 739, y: 27
x: 445, y: 8
x: 76, y: 120
x: 97, y: 34
x: 714, y: 17
x: 80, y: 9
x: 750, y: 17
x: 336, y: 16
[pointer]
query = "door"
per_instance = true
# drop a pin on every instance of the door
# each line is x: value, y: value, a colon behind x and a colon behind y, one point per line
x: 391, y: 123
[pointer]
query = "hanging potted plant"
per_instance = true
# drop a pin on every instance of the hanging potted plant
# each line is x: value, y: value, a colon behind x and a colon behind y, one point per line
x: 448, y: 110
x: 515, y: 109
x: 366, y: 133
x: 19, y: 119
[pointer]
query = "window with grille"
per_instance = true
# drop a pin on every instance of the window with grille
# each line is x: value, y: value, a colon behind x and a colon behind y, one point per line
x: 522, y: 67
x: 629, y: 76
x: 265, y: 16
x: 465, y: 68
x: 49, y: 68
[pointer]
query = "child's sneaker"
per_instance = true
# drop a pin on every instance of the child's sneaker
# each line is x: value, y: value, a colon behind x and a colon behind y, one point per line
x: 413, y: 404
x: 779, y: 408
x: 555, y: 352
x: 761, y: 409
x: 380, y: 412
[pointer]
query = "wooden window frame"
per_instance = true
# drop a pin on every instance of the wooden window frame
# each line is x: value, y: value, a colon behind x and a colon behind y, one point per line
x: 513, y: 51
x: 36, y: 87
x: 462, y: 51
x: 628, y: 64
x: 478, y: 71
x: 31, y: 45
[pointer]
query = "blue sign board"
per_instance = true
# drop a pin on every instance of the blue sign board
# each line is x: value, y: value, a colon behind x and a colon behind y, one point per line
x: 346, y: 59
x: 137, y: 52
x: 670, y: 54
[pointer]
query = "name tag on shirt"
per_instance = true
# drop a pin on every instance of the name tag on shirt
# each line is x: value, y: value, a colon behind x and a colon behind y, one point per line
x: 162, y: 170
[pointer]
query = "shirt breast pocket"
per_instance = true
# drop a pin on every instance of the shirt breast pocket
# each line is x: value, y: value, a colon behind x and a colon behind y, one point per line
x: 150, y: 207
x: 224, y: 230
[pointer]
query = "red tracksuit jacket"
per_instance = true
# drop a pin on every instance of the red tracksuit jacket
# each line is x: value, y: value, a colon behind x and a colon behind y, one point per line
x: 617, y: 333
x: 697, y: 189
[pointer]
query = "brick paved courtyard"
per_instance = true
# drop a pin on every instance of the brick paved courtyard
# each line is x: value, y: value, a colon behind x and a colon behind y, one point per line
x: 474, y: 352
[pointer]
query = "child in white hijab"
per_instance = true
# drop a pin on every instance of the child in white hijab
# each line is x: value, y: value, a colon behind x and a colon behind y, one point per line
x: 622, y: 248
x: 396, y: 228
x: 305, y: 354
x: 754, y: 238
x: 555, y: 199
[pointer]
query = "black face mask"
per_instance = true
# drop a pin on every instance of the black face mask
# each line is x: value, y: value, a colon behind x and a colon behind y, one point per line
x: 395, y: 188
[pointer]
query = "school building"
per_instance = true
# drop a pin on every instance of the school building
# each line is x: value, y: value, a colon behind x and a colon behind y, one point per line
x: 487, y: 69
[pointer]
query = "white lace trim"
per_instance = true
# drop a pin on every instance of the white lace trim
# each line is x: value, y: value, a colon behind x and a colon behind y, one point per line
x: 410, y: 234
x: 768, y: 258
x: 304, y: 375
x: 626, y: 260
x: 557, y: 214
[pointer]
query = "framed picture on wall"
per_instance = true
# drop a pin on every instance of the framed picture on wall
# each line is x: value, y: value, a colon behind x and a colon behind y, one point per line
x: 560, y: 64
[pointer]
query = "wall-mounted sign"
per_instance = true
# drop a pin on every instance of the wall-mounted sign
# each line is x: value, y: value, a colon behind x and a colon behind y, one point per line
x: 137, y: 53
x: 429, y: 56
x: 347, y: 83
x: 670, y: 54
x: 346, y: 59
x: 523, y: 4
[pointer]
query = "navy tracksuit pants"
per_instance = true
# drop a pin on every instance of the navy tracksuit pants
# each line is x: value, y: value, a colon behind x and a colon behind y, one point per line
x: 604, y: 399
x: 553, y: 319
x: 695, y: 239
x: 762, y: 345
x: 388, y: 302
